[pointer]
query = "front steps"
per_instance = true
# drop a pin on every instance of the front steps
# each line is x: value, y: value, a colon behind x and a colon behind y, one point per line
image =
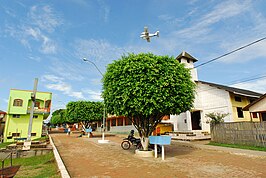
x: 190, y: 135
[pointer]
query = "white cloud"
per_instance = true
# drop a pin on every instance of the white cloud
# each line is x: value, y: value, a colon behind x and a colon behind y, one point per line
x: 9, y: 11
x: 257, y: 27
x: 25, y: 34
x: 222, y: 11
x: 94, y: 95
x: 5, y: 100
x: 82, y: 3
x: 44, y: 18
x: 169, y: 19
x: 57, y: 83
x: 41, y: 22
x: 105, y: 10
x: 76, y: 94
x: 96, y: 81
x: 98, y: 50
x: 102, y: 52
x: 69, y: 68
x: 35, y: 58
x: 258, y: 85
x: 250, y: 53
x: 48, y: 46
x: 35, y: 33
x: 51, y: 78
x: 228, y: 25
x: 3, y: 104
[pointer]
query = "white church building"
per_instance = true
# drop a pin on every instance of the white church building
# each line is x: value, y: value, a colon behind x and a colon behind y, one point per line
x: 211, y: 97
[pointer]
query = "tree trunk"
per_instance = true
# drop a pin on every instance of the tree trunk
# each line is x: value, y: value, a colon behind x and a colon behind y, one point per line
x: 145, y: 143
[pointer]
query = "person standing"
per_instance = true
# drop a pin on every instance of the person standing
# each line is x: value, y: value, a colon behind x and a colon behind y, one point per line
x: 68, y: 130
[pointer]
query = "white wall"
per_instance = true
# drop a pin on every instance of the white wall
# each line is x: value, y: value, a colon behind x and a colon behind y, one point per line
x: 259, y: 106
x: 207, y: 99
x: 214, y: 100
x: 181, y: 121
x: 190, y: 65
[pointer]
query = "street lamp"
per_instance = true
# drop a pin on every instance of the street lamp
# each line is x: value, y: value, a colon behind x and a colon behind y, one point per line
x: 102, y: 140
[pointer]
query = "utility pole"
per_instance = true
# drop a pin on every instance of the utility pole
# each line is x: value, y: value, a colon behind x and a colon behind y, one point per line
x: 33, y: 97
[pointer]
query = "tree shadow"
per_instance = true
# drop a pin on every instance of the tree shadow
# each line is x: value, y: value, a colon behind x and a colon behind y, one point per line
x: 178, y: 149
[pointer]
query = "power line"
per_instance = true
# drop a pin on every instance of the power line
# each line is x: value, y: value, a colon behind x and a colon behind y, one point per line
x: 253, y: 77
x: 247, y: 80
x: 244, y: 80
x: 226, y: 54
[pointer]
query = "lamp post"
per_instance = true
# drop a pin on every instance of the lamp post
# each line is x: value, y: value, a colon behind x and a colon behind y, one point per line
x: 102, y: 140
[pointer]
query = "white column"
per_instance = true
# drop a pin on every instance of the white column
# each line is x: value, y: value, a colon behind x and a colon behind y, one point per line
x: 155, y: 150
x: 189, y: 123
x: 162, y: 152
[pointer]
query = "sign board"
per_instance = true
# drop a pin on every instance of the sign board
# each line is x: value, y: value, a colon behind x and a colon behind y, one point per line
x: 160, y: 140
x: 88, y: 130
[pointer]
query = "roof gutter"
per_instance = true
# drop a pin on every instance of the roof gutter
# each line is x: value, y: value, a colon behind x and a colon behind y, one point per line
x: 246, y: 95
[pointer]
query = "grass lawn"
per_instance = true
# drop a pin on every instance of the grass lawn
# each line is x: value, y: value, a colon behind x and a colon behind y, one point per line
x: 238, y: 146
x: 36, y: 167
x: 42, y: 166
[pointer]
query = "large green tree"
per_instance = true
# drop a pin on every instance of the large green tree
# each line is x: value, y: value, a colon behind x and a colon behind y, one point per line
x: 58, y: 117
x: 145, y: 87
x: 84, y: 111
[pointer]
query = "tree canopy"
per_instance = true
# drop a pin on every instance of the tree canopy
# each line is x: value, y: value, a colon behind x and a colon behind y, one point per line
x: 145, y: 87
x: 58, y: 117
x: 84, y: 111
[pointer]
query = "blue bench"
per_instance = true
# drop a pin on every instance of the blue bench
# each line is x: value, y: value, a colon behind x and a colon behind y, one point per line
x: 20, y: 139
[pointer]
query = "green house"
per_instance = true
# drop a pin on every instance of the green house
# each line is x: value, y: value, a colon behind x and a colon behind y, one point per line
x: 18, y: 114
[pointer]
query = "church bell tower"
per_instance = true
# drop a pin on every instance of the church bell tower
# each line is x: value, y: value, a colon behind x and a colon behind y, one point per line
x: 188, y: 60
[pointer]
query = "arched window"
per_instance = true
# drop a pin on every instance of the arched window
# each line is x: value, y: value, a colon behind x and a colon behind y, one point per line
x: 47, y: 104
x: 37, y: 104
x: 17, y: 102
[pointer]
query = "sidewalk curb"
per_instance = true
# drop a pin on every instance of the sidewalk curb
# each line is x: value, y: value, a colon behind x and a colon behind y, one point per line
x: 60, y: 164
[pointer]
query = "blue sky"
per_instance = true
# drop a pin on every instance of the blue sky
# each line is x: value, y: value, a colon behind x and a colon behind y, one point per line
x: 48, y: 39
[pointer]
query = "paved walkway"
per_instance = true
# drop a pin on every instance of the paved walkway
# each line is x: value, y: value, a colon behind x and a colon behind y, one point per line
x: 85, y: 157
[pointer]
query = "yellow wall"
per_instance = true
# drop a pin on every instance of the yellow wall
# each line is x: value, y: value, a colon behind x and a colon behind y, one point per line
x: 244, y: 102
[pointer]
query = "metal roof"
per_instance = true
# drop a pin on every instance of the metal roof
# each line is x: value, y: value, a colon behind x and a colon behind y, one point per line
x: 186, y: 56
x: 234, y: 90
x: 246, y: 108
x: 2, y: 112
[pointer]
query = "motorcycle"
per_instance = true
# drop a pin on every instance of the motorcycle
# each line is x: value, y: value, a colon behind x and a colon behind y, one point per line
x: 131, y: 140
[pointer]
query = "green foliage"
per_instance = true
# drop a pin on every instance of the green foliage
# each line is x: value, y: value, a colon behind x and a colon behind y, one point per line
x: 145, y: 87
x: 58, y: 117
x: 216, y: 117
x: 238, y: 146
x: 84, y: 111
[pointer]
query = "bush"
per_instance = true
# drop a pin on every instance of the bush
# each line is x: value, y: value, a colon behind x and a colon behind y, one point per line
x: 216, y: 117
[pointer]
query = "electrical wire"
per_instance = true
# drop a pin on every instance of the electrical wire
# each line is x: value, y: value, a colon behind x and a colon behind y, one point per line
x: 251, y: 79
x: 240, y: 81
x: 226, y: 54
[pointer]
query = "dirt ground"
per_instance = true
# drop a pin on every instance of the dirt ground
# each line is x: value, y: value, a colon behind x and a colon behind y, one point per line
x: 85, y: 157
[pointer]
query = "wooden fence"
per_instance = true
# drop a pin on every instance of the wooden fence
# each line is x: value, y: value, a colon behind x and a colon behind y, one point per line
x: 243, y: 133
